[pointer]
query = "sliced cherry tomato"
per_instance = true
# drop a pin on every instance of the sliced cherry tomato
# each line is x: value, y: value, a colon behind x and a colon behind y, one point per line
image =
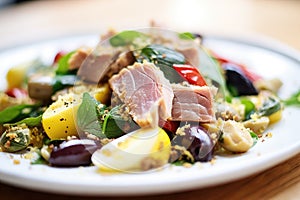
x: 249, y: 74
x: 17, y: 93
x: 190, y: 73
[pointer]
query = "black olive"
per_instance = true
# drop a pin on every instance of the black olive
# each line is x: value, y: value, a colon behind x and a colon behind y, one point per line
x: 73, y: 153
x: 197, y: 141
x: 236, y: 81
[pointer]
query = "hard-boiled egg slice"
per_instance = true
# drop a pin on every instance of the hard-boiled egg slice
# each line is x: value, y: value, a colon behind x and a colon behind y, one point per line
x: 139, y: 150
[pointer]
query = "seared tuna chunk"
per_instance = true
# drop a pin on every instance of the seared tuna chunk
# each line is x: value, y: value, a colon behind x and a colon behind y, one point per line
x: 146, y: 92
x: 193, y: 103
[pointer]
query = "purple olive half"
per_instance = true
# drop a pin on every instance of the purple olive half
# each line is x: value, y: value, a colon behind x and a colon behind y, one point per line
x: 197, y: 141
x: 237, y: 82
x: 73, y: 153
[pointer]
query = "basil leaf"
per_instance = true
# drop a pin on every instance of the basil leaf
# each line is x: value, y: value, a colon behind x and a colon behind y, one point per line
x: 293, y: 100
x: 63, y: 63
x: 126, y: 38
x: 164, y: 58
x: 15, y: 113
x: 87, y: 116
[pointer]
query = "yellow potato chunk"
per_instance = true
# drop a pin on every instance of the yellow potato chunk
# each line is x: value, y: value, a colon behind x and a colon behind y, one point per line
x: 102, y: 94
x: 275, y: 117
x: 16, y: 75
x: 59, y: 119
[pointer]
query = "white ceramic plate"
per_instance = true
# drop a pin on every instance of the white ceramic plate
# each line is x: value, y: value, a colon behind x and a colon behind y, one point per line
x: 269, y: 59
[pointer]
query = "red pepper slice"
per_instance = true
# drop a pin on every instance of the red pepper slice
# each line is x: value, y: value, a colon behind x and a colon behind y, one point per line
x: 190, y: 74
x: 58, y: 56
x: 16, y: 93
x: 169, y: 126
x: 249, y: 74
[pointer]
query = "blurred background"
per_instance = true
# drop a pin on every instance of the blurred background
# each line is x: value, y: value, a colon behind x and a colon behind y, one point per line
x: 23, y: 22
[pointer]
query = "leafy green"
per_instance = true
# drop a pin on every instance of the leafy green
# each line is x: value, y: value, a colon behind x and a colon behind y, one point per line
x: 39, y: 160
x: 30, y: 121
x: 55, y: 142
x: 293, y: 100
x: 164, y: 58
x: 270, y: 106
x: 114, y: 124
x: 211, y: 70
x: 62, y: 81
x: 88, y: 116
x: 186, y: 36
x: 63, y: 64
x: 179, y: 162
x: 249, y: 107
x: 16, y: 113
x: 126, y: 38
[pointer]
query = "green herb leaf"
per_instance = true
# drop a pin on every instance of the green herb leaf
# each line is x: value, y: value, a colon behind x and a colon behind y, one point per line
x: 254, y: 137
x: 179, y: 162
x: 15, y: 113
x: 164, y: 58
x: 30, y: 121
x: 293, y: 100
x: 126, y: 38
x: 114, y: 124
x: 186, y: 36
x: 63, y: 64
x: 249, y: 107
x: 39, y: 160
x: 87, y: 116
x: 270, y: 106
x: 55, y: 142
x: 63, y: 81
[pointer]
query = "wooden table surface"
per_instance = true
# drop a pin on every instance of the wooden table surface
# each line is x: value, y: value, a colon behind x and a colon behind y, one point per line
x: 40, y: 20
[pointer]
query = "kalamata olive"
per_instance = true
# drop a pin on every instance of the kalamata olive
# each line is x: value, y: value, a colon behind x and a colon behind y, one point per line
x: 197, y: 141
x: 73, y: 153
x: 237, y: 82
